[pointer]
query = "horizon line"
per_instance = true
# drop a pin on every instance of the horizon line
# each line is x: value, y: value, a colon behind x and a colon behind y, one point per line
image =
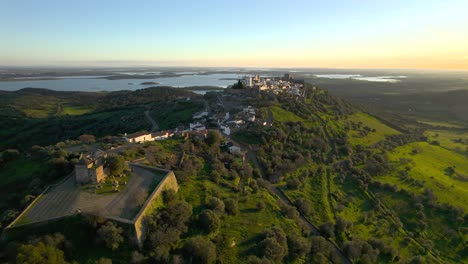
x: 232, y: 67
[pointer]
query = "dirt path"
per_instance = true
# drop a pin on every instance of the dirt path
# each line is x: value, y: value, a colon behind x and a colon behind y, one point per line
x: 154, y: 124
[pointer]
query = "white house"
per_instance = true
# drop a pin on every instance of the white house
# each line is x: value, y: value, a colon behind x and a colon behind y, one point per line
x: 196, y: 126
x: 139, y: 137
x: 226, y: 130
x: 235, y: 150
x: 162, y: 135
x: 200, y: 115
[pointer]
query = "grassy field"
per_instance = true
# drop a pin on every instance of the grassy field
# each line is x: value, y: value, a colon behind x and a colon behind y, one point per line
x: 381, y: 130
x: 21, y: 169
x: 440, y: 124
x: 68, y: 109
x: 281, y: 115
x: 448, y: 138
x: 428, y: 166
x: 42, y: 106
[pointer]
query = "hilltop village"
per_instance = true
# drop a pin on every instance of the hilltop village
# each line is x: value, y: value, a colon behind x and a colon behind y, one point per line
x: 228, y: 118
x: 276, y: 85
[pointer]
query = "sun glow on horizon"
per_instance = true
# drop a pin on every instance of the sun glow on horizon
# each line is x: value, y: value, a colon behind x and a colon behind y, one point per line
x: 339, y: 34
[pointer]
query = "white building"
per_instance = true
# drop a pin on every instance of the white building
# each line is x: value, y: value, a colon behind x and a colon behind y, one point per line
x: 139, y: 137
x: 162, y: 135
x: 247, y: 82
x: 200, y: 115
x: 196, y: 126
x: 226, y: 130
x: 235, y: 150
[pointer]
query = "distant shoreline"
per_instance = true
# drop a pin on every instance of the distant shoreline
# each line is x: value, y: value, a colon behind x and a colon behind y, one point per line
x: 189, y: 88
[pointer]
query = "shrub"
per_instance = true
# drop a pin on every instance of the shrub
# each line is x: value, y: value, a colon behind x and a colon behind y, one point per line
x: 231, y: 206
x: 199, y: 250
x: 209, y: 221
x: 327, y: 230
x: 304, y: 205
x: 272, y: 249
x: 289, y: 211
x: 274, y: 245
x: 104, y: 261
x: 261, y: 205
x: 40, y: 253
x: 298, y: 246
x: 293, y: 184
x: 169, y: 196
x: 216, y: 205
x: 116, y: 164
x: 10, y: 154
x: 110, y: 235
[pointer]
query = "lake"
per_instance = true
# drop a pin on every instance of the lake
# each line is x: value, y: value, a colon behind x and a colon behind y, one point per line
x: 90, y: 84
x: 359, y: 77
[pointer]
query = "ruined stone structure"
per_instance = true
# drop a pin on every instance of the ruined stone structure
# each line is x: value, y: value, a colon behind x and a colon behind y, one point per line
x: 90, y: 168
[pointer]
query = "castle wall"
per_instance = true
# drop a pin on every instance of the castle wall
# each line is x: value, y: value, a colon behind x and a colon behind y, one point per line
x: 97, y: 174
x: 168, y: 182
x: 137, y: 224
x: 81, y: 173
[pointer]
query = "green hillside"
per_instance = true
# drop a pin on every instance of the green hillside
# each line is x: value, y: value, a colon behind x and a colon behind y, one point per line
x: 325, y: 183
x: 456, y: 140
x: 427, y: 167
x: 367, y: 130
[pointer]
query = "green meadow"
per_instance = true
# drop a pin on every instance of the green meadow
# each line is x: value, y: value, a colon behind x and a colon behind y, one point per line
x: 428, y: 168
x: 450, y: 139
x: 281, y: 115
x: 440, y: 124
x: 381, y: 130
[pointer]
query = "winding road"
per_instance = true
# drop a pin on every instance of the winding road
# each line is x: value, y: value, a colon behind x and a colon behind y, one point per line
x: 154, y: 124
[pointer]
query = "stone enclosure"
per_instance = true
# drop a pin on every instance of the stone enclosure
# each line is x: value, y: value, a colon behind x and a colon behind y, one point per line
x: 66, y: 199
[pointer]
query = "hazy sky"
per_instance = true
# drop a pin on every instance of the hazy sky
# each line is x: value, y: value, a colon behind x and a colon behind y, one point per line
x: 306, y: 33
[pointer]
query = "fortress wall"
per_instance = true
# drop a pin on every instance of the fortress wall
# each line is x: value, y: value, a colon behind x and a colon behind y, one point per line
x: 81, y: 173
x: 137, y: 223
x: 99, y: 175
x: 168, y: 182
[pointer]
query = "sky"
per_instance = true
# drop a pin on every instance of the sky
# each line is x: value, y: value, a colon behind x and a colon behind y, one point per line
x: 412, y: 34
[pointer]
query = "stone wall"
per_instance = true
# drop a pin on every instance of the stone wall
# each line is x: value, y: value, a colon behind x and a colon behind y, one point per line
x: 97, y: 174
x: 81, y: 173
x: 168, y: 182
